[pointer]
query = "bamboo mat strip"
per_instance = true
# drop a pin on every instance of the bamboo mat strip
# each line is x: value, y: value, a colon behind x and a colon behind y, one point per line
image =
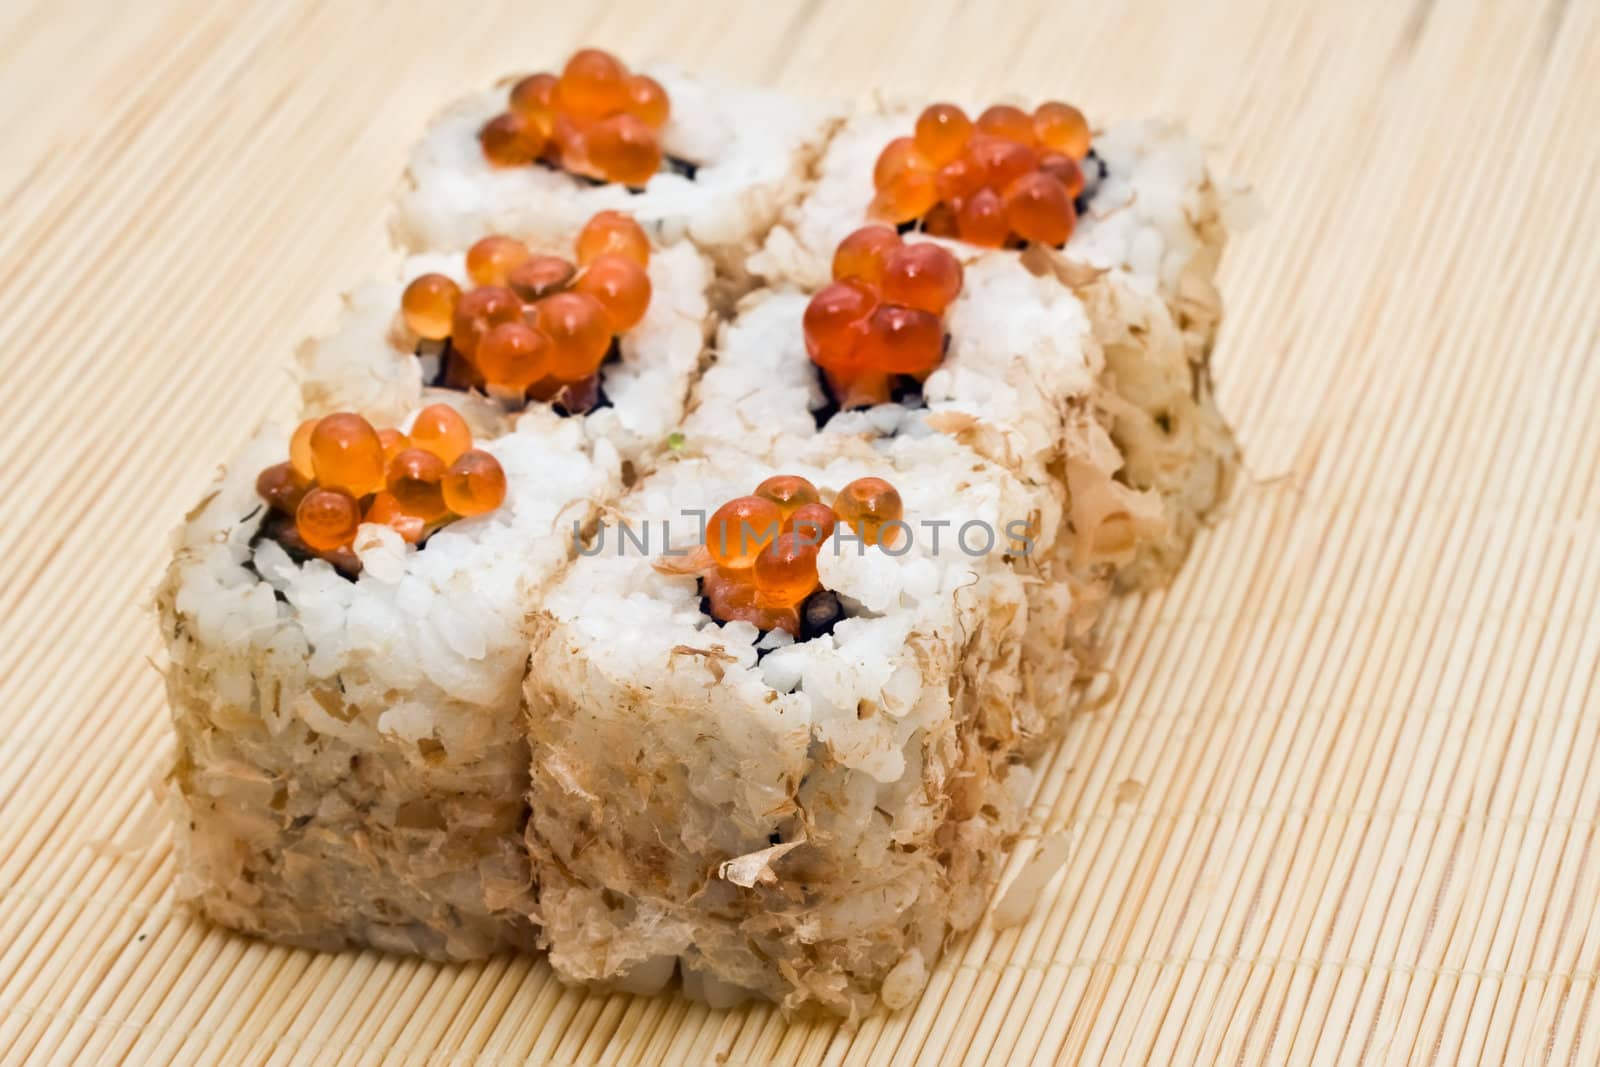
x: 1343, y: 808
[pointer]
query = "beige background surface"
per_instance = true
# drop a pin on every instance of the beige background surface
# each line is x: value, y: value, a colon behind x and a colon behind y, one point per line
x: 1345, y: 807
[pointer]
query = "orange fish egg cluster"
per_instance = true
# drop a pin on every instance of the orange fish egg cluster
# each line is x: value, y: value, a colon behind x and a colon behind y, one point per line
x: 341, y: 473
x: 882, y: 316
x: 597, y: 120
x: 759, y: 562
x: 536, y: 325
x: 1010, y: 176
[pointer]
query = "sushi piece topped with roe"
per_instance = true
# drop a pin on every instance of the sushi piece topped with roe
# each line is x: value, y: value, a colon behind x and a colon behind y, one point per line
x: 352, y: 758
x: 803, y: 817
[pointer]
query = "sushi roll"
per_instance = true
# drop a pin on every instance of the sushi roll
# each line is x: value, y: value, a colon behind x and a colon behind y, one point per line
x: 352, y: 763
x: 421, y: 337
x: 802, y: 813
x: 690, y: 159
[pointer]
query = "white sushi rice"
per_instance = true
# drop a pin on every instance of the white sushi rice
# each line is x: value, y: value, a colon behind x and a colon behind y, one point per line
x: 352, y: 763
x: 367, y: 363
x: 801, y: 824
x: 753, y: 149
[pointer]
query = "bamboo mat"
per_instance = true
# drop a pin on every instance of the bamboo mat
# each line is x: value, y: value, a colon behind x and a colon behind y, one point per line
x: 1344, y: 808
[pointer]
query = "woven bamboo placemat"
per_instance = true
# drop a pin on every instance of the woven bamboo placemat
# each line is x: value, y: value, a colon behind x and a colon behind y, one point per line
x: 1344, y: 806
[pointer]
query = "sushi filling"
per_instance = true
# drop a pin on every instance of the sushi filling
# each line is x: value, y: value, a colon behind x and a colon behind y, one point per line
x: 1007, y: 179
x: 597, y: 121
x: 533, y: 328
x: 759, y: 560
x: 342, y: 472
x: 877, y: 330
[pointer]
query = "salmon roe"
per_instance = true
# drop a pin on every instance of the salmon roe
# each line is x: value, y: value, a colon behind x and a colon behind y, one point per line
x: 648, y: 100
x: 385, y: 510
x: 1061, y: 128
x: 282, y: 486
x: 491, y: 260
x: 347, y: 454
x: 394, y: 443
x: 922, y: 276
x: 881, y: 317
x: 786, y: 571
x: 327, y: 519
x: 592, y: 85
x: 740, y: 529
x: 1007, y: 122
x: 474, y: 484
x: 759, y: 561
x: 514, y: 355
x: 620, y: 286
x: 414, y: 478
x: 580, y: 334
x: 865, y: 253
x: 940, y: 221
x: 1000, y: 161
x: 981, y: 220
x: 867, y: 505
x: 534, y: 326
x: 423, y: 480
x: 429, y: 306
x: 790, y: 492
x: 440, y: 429
x: 942, y: 131
x: 905, y: 197
x: 897, y: 158
x: 623, y: 148
x: 815, y: 521
x: 1039, y: 209
x: 612, y: 232
x: 835, y: 323
x: 902, y: 340
x: 1009, y: 177
x: 569, y: 147
x: 596, y: 119
x: 510, y: 140
x: 539, y: 276
x: 534, y: 98
x: 1064, y: 169
x: 732, y: 597
x: 479, y: 311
